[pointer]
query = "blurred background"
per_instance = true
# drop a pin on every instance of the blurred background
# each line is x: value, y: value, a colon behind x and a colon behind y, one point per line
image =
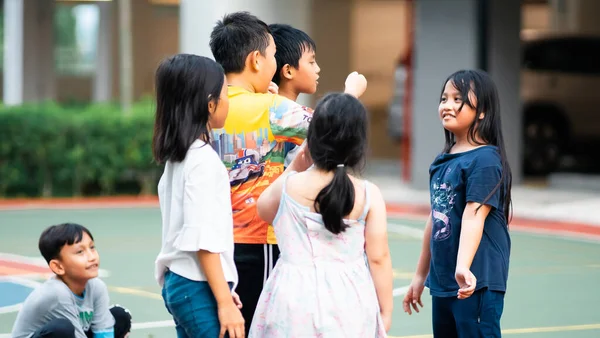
x: 76, y: 56
x: 90, y: 66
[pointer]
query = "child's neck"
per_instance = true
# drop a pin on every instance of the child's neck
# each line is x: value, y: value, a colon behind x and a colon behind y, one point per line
x: 239, y: 80
x: 75, y: 287
x: 288, y: 91
x: 465, y: 143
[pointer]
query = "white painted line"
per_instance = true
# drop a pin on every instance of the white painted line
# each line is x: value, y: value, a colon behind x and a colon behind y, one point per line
x: 37, y: 261
x: 21, y: 281
x: 400, y: 291
x: 11, y: 309
x: 152, y: 325
x: 406, y: 230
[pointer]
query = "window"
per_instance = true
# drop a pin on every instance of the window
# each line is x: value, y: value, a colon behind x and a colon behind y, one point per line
x: 76, y: 37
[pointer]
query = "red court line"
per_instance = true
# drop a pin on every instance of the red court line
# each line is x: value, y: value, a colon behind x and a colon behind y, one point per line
x: 518, y: 223
x: 414, y: 210
x: 24, y: 267
x: 82, y: 202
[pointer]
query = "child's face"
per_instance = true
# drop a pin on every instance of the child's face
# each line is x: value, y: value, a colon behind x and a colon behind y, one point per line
x: 219, y: 112
x: 268, y: 67
x: 79, y: 261
x: 307, y: 75
x: 453, y: 120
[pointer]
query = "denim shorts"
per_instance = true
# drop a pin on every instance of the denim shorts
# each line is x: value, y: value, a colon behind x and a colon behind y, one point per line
x: 192, y: 305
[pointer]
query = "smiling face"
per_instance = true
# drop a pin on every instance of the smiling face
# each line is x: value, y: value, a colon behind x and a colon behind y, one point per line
x: 79, y: 261
x: 456, y: 114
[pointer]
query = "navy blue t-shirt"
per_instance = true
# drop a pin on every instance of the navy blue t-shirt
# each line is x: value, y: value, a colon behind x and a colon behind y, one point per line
x: 456, y: 179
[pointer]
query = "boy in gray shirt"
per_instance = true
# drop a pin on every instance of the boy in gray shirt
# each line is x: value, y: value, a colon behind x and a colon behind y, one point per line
x: 74, y: 303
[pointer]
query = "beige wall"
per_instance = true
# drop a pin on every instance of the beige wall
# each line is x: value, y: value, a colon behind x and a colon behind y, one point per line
x: 368, y: 36
x: 155, y: 36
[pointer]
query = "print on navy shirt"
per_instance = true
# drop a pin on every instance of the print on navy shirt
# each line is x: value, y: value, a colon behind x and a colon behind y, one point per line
x: 442, y: 201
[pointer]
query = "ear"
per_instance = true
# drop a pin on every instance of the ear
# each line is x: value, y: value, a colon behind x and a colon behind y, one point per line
x: 253, y: 61
x: 212, y: 106
x: 57, y: 267
x: 287, y: 71
x: 481, y: 116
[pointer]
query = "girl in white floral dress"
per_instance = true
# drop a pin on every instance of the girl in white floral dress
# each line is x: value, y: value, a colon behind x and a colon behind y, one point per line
x: 326, y: 221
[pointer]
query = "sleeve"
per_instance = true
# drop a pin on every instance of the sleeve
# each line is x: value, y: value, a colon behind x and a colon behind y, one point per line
x: 207, y: 214
x: 480, y: 184
x: 289, y: 120
x: 30, y: 317
x: 103, y: 322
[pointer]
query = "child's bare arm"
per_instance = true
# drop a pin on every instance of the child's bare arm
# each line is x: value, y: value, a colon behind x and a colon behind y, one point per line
x: 378, y: 253
x: 471, y: 231
x: 268, y: 202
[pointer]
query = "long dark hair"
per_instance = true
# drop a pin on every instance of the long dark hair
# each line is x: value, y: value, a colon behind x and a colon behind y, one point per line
x: 337, y: 141
x: 185, y: 84
x: 483, y: 131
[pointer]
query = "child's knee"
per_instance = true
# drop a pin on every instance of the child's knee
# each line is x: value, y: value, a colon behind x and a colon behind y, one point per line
x: 59, y: 327
x: 122, y: 321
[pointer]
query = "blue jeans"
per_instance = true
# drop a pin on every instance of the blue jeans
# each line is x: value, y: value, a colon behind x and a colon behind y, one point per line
x: 475, y: 317
x: 192, y: 305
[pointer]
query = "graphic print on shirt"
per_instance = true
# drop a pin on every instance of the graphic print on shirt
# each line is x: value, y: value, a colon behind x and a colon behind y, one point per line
x: 85, y: 318
x: 248, y: 157
x: 442, y: 202
x: 252, y: 148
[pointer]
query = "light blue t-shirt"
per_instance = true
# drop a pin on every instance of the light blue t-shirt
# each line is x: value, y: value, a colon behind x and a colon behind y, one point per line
x: 54, y: 300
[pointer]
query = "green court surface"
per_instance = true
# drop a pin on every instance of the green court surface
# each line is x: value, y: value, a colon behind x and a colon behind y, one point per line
x: 554, y: 285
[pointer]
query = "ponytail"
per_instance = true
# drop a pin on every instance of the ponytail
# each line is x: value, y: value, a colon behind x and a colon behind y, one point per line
x: 336, y: 201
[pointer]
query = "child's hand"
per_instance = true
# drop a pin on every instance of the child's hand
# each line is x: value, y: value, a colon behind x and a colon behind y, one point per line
x: 231, y: 321
x: 236, y: 299
x: 356, y: 84
x: 302, y: 161
x: 466, y: 282
x: 413, y: 295
x: 273, y: 88
x: 387, y: 321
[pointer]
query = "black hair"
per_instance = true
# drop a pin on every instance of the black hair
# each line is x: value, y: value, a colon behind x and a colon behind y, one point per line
x: 185, y: 84
x: 55, y: 237
x: 235, y: 37
x: 488, y: 129
x: 291, y: 43
x: 337, y: 141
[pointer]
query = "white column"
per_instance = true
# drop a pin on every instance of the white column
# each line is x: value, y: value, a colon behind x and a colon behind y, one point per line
x: 125, y: 55
x: 198, y: 18
x: 38, y: 80
x: 13, y: 52
x: 196, y: 21
x: 102, y: 86
x: 445, y: 41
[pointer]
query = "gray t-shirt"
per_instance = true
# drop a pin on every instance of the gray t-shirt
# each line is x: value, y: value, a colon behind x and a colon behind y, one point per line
x: 53, y: 300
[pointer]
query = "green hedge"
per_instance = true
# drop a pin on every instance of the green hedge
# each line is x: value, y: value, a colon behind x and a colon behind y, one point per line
x: 48, y: 150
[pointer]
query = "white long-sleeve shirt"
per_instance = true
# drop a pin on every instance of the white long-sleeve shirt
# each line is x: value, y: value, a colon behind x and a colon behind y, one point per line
x: 195, y: 203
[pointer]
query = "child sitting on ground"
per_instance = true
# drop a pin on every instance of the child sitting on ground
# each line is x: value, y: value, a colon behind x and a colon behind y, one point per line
x: 74, y: 302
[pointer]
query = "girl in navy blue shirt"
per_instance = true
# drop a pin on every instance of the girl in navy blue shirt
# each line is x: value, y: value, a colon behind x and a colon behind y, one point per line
x: 466, y: 247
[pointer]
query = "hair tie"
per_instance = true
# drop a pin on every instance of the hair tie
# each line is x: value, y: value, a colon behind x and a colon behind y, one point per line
x: 340, y: 165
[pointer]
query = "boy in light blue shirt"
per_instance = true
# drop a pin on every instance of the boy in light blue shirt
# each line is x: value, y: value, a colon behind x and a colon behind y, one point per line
x: 74, y: 303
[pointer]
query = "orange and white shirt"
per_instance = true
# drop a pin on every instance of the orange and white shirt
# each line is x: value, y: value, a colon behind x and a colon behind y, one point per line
x: 251, y: 145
